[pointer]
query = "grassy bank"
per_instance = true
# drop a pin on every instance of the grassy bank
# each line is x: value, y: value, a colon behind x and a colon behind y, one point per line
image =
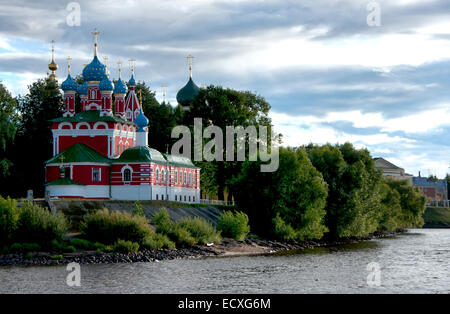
x: 437, y: 217
x: 31, y: 228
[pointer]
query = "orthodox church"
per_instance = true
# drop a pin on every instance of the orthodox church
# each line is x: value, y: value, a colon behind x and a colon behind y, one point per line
x: 103, y: 153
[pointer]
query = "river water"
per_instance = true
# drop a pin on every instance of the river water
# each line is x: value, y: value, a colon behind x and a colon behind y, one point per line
x: 415, y: 262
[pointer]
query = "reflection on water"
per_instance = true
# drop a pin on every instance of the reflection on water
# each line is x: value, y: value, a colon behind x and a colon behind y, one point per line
x: 416, y: 262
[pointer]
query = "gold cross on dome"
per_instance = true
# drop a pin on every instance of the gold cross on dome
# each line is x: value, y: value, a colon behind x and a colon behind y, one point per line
x: 53, y: 49
x: 119, y: 63
x: 132, y: 65
x: 95, y: 33
x: 68, y: 64
x: 190, y: 57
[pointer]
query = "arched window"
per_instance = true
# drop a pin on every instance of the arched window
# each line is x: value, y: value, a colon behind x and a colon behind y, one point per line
x: 127, y: 175
x: 193, y: 198
x: 157, y: 177
x: 189, y: 198
x: 181, y: 177
x: 163, y: 174
x: 175, y: 197
x: 176, y: 177
x: 156, y: 196
x: 194, y: 179
x: 185, y: 178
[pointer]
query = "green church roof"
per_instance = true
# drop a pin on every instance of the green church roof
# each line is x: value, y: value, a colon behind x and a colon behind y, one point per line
x: 63, y: 181
x: 141, y: 154
x: 78, y: 153
x: 179, y: 161
x: 187, y: 93
x: 91, y: 116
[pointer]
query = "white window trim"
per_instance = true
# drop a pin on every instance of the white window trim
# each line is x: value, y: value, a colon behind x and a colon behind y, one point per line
x: 123, y: 173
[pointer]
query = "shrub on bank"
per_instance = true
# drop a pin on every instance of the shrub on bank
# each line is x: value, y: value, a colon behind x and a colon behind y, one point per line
x: 38, y: 225
x: 158, y: 241
x: 9, y: 218
x: 200, y: 229
x: 161, y: 220
x: 234, y: 225
x: 24, y: 247
x: 188, y: 231
x: 81, y: 244
x: 108, y: 227
x: 122, y: 246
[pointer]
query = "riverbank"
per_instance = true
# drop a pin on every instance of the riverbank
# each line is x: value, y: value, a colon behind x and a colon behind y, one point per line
x: 228, y: 247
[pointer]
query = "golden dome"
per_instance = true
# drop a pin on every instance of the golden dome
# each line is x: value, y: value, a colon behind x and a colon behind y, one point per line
x: 53, y: 66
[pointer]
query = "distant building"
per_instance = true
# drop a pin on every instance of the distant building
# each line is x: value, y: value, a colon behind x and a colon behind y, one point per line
x: 391, y: 170
x: 434, y: 190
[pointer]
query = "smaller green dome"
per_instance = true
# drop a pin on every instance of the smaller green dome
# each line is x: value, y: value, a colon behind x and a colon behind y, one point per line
x: 187, y: 93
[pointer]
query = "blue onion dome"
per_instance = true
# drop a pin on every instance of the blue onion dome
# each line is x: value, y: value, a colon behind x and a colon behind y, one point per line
x: 132, y: 82
x: 83, y: 89
x: 106, y: 85
x: 120, y: 87
x: 94, y: 71
x: 187, y: 93
x: 141, y: 122
x: 69, y: 84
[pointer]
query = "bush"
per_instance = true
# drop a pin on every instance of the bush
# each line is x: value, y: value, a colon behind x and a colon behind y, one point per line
x: 81, y: 244
x: 99, y: 246
x: 161, y: 220
x: 38, y: 225
x: 158, y: 241
x: 61, y: 246
x: 182, y: 237
x: 200, y: 229
x: 188, y: 231
x: 108, y: 227
x: 138, y: 209
x: 123, y: 246
x: 234, y: 225
x: 9, y: 218
x: 24, y: 247
x: 282, y: 230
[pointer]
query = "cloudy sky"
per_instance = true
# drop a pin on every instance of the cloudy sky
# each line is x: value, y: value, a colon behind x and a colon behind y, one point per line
x: 329, y: 76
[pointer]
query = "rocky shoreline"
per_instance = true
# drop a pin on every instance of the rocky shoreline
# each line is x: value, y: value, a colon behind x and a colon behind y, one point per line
x: 228, y: 247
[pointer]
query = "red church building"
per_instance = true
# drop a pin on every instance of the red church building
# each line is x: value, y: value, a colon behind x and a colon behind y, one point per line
x: 101, y: 154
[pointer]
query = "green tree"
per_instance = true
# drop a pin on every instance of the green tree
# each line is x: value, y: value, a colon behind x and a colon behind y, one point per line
x: 295, y: 194
x: 412, y: 202
x: 390, y: 218
x: 222, y: 107
x: 354, y: 198
x: 34, y: 140
x: 8, y: 127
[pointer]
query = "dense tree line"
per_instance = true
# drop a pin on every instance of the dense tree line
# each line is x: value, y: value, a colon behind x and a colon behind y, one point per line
x: 329, y: 190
